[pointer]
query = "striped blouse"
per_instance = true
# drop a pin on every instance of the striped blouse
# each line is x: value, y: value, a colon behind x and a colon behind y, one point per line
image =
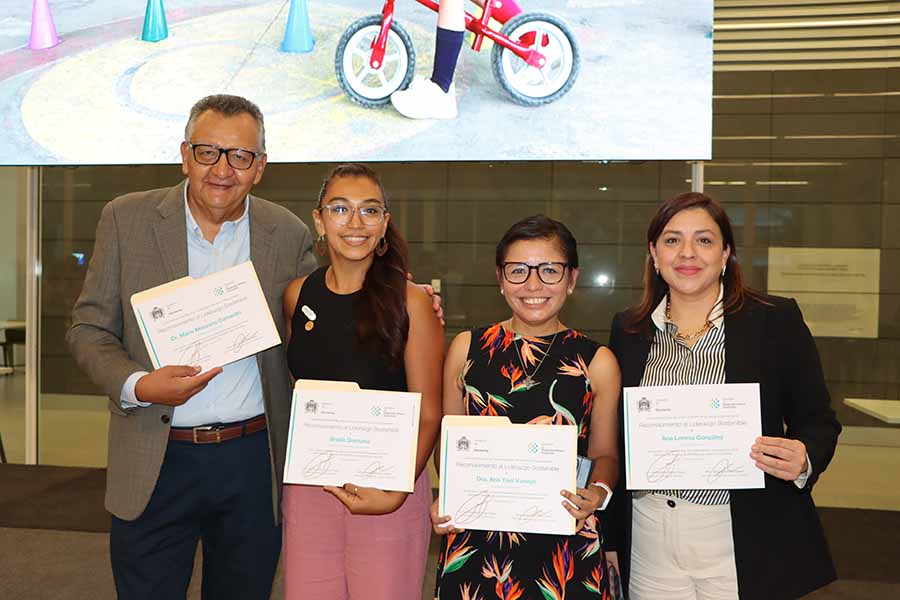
x: 672, y: 362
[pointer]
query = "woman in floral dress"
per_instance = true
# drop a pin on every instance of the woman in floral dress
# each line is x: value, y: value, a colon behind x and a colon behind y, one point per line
x: 533, y: 369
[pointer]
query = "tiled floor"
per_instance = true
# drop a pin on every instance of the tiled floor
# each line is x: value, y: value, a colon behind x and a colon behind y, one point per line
x: 75, y: 566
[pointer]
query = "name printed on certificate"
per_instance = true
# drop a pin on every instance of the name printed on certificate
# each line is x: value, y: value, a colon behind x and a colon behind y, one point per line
x: 341, y: 434
x: 692, y: 437
x: 497, y: 476
x: 208, y: 322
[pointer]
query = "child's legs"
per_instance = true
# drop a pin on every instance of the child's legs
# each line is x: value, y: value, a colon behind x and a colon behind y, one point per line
x: 451, y: 15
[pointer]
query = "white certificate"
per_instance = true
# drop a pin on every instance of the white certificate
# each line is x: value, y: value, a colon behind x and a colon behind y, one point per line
x: 692, y: 437
x: 207, y: 322
x: 497, y: 476
x: 340, y: 434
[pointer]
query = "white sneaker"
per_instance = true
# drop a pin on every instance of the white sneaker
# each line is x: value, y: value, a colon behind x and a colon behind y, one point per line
x: 424, y: 99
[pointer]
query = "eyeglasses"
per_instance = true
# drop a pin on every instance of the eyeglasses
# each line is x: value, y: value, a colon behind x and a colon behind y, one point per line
x: 239, y: 158
x: 342, y: 214
x: 548, y: 272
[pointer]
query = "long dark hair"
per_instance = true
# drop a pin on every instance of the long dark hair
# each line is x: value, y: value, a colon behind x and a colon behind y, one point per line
x: 637, y: 318
x: 380, y: 310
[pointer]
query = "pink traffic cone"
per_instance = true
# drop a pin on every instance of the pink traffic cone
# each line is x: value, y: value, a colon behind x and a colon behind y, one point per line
x: 43, y: 31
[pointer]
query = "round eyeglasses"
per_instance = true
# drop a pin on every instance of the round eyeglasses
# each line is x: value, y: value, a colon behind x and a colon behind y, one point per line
x: 238, y: 158
x: 548, y: 272
x: 342, y: 214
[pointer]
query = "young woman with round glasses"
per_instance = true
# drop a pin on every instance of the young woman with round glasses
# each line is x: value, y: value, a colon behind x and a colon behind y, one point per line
x: 533, y: 369
x: 360, y: 320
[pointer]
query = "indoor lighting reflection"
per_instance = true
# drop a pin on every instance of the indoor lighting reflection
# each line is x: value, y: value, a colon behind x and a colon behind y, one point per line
x: 602, y: 279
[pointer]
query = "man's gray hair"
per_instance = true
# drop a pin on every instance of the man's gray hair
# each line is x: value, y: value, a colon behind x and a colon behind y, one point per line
x: 227, y: 106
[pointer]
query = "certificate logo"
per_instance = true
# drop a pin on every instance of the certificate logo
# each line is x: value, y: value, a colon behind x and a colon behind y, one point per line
x: 311, y: 407
x: 643, y: 405
x: 157, y: 313
x: 462, y: 444
x: 533, y: 447
x: 715, y: 403
x: 376, y: 411
x: 219, y: 290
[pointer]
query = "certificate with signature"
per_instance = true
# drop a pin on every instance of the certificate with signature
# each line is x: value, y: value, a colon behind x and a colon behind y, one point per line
x: 497, y: 476
x: 692, y: 437
x: 207, y: 322
x: 341, y: 434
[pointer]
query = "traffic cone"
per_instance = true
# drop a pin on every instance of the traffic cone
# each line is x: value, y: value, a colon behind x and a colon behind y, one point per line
x: 297, y: 35
x: 155, y: 29
x: 43, y: 31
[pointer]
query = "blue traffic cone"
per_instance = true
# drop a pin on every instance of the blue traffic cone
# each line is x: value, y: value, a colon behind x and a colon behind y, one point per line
x: 297, y: 35
x: 155, y: 29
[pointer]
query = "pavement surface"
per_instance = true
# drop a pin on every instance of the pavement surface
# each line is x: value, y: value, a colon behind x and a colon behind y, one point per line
x: 105, y: 97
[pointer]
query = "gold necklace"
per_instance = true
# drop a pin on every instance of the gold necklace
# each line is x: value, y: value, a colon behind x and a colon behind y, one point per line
x: 529, y: 381
x: 686, y: 337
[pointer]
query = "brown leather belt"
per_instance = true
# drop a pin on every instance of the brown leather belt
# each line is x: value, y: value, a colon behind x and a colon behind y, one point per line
x: 214, y: 434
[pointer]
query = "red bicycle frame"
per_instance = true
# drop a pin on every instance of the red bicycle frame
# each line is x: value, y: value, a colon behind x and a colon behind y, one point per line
x: 480, y: 27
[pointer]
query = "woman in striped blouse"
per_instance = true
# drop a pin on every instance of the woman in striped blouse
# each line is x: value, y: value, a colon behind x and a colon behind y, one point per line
x: 698, y: 324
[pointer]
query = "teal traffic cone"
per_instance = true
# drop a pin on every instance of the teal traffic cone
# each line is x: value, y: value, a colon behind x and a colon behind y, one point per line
x: 155, y: 29
x: 297, y: 35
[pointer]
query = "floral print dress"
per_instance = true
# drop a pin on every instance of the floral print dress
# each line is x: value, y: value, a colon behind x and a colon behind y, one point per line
x: 501, y: 565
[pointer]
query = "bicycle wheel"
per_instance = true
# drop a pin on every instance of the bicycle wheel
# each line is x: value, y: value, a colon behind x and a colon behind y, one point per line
x: 532, y: 86
x: 363, y: 84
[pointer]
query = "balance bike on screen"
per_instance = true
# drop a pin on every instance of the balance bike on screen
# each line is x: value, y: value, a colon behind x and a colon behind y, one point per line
x: 535, y: 57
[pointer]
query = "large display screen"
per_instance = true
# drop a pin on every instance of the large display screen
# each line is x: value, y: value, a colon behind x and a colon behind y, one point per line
x: 560, y: 80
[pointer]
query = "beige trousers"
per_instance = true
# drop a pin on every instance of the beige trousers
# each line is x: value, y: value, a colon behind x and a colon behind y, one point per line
x: 681, y: 551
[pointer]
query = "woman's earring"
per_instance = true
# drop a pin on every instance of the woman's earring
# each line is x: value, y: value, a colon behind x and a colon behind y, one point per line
x: 321, y: 245
x: 382, y: 247
x: 502, y: 293
x: 725, y: 266
x: 656, y: 266
x: 569, y: 292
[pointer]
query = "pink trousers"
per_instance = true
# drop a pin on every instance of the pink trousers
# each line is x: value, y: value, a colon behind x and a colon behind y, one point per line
x: 330, y: 554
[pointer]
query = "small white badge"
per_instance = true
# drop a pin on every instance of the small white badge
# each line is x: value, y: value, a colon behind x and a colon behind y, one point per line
x: 310, y: 314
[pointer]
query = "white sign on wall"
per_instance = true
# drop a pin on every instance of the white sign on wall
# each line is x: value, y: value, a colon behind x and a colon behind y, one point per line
x: 837, y: 288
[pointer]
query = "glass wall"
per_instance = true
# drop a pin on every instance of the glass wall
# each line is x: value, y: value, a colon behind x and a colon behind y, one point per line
x: 12, y: 314
x: 812, y: 160
x: 73, y: 414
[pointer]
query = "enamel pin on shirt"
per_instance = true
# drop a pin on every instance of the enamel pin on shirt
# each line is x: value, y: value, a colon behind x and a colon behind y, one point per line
x: 311, y: 315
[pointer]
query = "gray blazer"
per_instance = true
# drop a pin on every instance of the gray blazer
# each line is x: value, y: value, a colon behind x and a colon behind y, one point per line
x: 141, y: 242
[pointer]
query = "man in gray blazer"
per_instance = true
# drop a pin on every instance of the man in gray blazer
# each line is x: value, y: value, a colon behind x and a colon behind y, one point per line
x: 193, y: 456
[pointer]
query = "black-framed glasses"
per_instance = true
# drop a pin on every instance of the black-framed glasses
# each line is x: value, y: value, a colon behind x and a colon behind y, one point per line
x: 548, y: 272
x: 341, y: 214
x: 239, y: 158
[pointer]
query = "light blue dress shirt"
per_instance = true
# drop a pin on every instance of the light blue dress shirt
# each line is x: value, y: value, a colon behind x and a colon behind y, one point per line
x: 236, y: 393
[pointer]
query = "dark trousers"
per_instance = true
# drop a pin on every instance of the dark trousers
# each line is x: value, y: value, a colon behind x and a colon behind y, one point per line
x: 218, y: 494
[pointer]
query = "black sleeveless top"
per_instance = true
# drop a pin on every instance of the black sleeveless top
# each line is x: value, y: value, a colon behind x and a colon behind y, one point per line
x: 328, y: 349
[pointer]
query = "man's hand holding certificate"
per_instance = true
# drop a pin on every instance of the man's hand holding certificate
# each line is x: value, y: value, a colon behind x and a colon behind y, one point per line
x: 498, y: 476
x: 692, y: 437
x: 207, y: 322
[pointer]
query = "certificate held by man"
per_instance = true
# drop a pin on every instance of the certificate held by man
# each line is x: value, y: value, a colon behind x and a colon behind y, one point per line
x: 208, y: 322
x: 497, y: 476
x: 692, y: 437
x: 341, y: 434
